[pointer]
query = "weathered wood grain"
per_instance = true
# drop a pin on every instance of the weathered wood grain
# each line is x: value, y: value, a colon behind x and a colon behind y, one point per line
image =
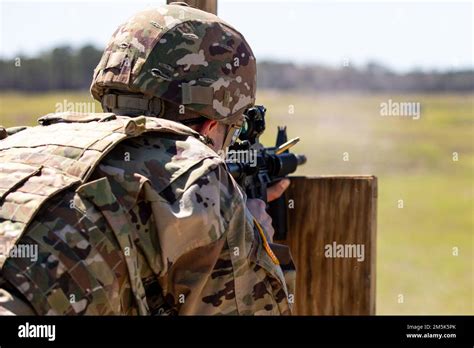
x: 339, y: 209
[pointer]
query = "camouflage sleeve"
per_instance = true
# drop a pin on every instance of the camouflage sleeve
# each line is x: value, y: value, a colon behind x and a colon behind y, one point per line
x: 216, y: 261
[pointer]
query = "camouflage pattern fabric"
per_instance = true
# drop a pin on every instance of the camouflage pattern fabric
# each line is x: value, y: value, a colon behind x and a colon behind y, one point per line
x: 183, y: 55
x: 13, y: 305
x: 158, y: 226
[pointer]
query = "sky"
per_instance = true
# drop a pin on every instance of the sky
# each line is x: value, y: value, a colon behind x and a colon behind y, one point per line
x: 402, y: 35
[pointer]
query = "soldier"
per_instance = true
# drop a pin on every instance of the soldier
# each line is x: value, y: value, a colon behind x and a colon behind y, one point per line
x: 132, y: 211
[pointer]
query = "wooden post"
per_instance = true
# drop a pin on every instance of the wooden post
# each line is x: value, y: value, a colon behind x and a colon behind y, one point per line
x: 328, y: 210
x: 205, y: 5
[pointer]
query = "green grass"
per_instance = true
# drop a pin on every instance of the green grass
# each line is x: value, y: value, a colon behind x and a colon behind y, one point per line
x: 24, y: 109
x: 412, y: 160
x: 415, y: 245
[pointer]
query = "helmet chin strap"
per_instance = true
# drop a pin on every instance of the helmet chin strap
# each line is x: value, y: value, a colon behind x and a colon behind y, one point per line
x: 232, y: 133
x: 228, y: 138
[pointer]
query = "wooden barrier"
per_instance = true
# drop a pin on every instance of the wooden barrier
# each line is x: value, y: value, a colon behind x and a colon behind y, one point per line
x: 328, y: 210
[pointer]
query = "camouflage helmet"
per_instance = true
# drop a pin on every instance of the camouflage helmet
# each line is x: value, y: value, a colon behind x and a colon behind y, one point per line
x: 181, y: 55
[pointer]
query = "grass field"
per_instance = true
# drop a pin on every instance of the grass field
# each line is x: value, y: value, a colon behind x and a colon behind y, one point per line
x: 413, y: 160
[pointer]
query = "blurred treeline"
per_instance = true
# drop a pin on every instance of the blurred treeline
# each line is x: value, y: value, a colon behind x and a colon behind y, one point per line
x: 65, y: 68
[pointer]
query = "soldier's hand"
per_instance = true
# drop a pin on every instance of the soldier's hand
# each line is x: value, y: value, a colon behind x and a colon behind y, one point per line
x: 275, y: 191
x: 258, y: 209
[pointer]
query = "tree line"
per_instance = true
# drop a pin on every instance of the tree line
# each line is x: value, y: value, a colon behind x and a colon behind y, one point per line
x: 65, y: 68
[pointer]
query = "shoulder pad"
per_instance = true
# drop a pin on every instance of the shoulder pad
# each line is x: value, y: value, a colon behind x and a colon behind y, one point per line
x: 62, y: 152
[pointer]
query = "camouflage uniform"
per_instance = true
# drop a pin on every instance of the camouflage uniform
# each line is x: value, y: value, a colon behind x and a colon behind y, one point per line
x: 136, y: 215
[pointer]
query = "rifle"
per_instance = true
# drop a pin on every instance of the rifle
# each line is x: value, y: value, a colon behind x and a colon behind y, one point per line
x: 256, y: 167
